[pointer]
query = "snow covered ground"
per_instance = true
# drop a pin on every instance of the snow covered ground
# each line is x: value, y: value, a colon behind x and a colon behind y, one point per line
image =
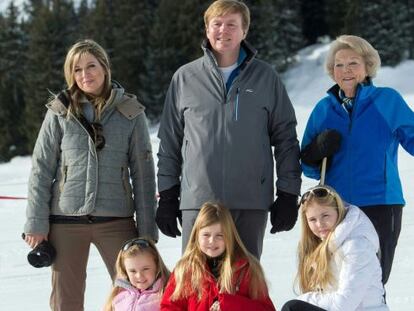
x: 22, y: 286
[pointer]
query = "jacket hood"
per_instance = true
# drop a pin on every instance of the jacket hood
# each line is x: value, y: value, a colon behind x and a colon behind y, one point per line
x: 116, y: 94
x: 355, y: 224
x: 60, y: 102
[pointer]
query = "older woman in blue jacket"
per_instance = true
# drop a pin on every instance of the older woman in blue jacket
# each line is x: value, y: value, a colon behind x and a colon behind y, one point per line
x: 359, y: 127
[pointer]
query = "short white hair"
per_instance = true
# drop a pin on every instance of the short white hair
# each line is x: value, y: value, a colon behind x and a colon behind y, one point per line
x: 358, y: 45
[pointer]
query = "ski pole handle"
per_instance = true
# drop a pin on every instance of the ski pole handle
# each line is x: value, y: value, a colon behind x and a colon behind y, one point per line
x: 323, y: 171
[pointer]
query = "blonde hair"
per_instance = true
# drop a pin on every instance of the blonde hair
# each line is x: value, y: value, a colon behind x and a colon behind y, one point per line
x: 314, y: 255
x: 360, y: 46
x: 134, y: 250
x: 77, y: 50
x: 190, y: 270
x: 224, y: 7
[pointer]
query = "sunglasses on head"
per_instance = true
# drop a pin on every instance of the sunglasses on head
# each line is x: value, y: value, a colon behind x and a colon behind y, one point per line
x: 99, y: 139
x: 139, y: 242
x: 318, y: 192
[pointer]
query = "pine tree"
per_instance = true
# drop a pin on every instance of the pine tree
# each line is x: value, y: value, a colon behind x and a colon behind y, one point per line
x: 408, y: 25
x: 380, y: 23
x: 276, y: 31
x: 12, y: 62
x: 263, y: 33
x: 337, y: 14
x: 50, y: 31
x: 132, y: 24
x: 289, y: 31
x: 175, y: 40
x: 314, y: 20
x: 83, y: 20
x: 101, y: 24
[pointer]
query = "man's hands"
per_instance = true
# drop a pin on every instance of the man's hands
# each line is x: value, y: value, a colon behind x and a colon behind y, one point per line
x: 168, y: 212
x: 284, y: 212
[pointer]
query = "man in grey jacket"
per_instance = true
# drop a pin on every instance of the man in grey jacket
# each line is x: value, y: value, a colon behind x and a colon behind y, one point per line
x: 223, y: 114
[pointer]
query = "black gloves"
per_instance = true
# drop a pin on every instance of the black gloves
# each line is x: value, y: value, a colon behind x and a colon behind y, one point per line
x: 284, y: 212
x: 324, y: 145
x: 168, y: 210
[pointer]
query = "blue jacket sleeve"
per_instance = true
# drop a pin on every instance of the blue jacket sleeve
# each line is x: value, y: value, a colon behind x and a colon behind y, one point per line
x: 399, y: 117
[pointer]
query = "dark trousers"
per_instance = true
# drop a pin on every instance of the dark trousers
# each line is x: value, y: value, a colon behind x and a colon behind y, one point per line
x: 298, y: 305
x: 387, y: 221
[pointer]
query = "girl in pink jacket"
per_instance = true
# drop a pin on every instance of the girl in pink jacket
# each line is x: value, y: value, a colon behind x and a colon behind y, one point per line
x: 141, y: 278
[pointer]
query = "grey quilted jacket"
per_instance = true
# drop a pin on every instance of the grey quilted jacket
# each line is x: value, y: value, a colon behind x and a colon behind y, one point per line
x: 70, y: 177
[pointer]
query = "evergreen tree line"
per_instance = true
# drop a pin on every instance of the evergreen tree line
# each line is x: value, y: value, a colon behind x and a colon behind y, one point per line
x: 147, y: 40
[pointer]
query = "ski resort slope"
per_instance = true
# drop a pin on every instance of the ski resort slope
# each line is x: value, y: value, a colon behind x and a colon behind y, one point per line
x: 23, y: 287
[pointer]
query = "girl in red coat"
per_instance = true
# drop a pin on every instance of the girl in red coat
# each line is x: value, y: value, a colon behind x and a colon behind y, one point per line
x: 216, y: 272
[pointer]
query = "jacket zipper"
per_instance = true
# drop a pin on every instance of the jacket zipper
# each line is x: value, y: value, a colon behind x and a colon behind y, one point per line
x: 352, y: 114
x: 65, y: 174
x: 351, y: 117
x: 97, y: 164
x: 65, y: 171
x: 236, y: 105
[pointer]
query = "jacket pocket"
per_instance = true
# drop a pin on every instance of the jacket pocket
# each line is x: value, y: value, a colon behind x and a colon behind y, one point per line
x: 126, y: 185
x: 186, y: 162
x: 267, y: 163
x: 64, y: 177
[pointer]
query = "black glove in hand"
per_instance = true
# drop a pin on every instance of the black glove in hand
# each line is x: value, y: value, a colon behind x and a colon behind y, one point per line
x: 324, y: 145
x: 168, y: 211
x: 284, y: 212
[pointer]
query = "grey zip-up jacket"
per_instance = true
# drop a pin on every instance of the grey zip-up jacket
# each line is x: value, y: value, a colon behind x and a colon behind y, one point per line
x: 218, y: 144
x: 70, y: 177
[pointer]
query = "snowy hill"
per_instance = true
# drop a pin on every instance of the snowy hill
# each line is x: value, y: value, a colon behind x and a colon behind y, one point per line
x: 22, y: 286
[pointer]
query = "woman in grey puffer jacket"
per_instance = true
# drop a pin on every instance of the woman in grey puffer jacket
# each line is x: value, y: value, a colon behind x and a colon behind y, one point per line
x: 92, y: 144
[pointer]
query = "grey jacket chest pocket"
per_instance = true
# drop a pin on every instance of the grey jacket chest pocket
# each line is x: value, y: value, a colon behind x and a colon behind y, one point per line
x: 249, y: 108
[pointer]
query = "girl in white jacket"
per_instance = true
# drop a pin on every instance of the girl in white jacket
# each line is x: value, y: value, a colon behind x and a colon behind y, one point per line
x: 338, y: 265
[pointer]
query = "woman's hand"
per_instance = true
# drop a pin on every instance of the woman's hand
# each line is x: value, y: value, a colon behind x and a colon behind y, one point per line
x: 215, y: 306
x: 34, y: 239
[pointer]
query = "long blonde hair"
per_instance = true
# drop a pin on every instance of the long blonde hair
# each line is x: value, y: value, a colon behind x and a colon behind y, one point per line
x: 77, y: 50
x: 190, y: 270
x: 314, y: 255
x: 132, y: 249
